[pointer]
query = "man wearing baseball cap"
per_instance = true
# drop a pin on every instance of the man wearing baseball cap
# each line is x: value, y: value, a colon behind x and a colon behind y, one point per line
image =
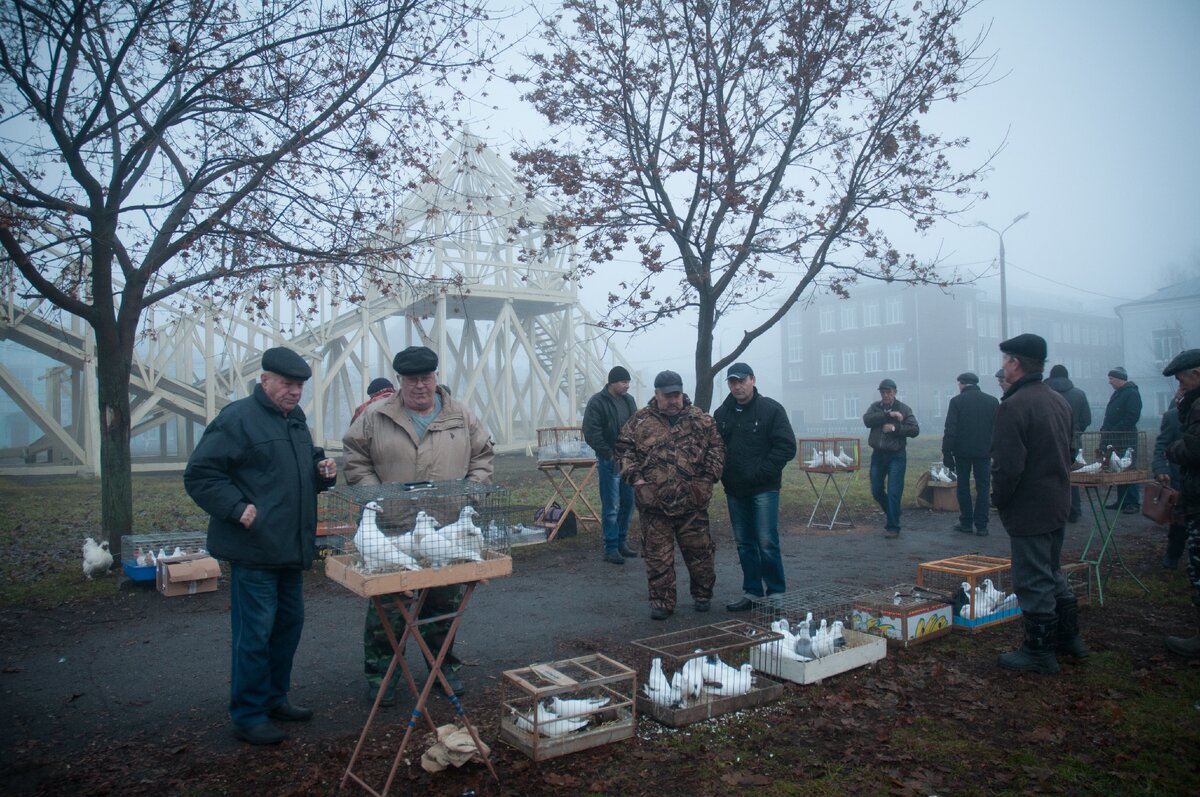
x: 256, y: 472
x: 671, y: 452
x: 605, y: 414
x: 891, y: 423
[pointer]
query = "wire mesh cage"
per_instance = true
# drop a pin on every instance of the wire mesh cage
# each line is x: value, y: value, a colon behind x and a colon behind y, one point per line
x: 904, y: 615
x: 561, y: 707
x: 698, y: 673
x: 413, y: 535
x: 140, y: 552
x: 978, y: 589
x: 817, y: 635
x: 1111, y: 458
x: 940, y: 474
x: 563, y: 444
x: 828, y: 454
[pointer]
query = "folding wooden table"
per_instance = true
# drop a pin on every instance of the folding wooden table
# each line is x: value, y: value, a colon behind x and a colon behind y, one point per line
x: 568, y: 486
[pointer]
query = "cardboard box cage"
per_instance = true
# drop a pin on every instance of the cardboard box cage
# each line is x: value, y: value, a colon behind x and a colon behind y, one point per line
x: 133, y: 545
x: 192, y: 574
x: 904, y: 615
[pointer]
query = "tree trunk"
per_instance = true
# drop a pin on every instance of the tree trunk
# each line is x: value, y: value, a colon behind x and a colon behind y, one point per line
x: 114, y: 359
x: 702, y: 398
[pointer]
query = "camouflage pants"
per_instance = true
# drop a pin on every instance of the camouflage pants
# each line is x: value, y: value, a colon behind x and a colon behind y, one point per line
x: 659, y: 535
x: 377, y: 651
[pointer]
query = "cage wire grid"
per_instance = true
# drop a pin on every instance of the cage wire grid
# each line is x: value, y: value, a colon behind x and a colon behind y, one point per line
x: 828, y: 454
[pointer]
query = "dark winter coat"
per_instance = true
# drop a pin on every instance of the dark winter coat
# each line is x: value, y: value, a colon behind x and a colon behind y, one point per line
x: 876, y: 417
x: 1031, y: 459
x: 1185, y: 452
x: 969, y: 421
x: 678, y: 462
x: 1169, y: 430
x: 252, y: 454
x: 602, y: 420
x: 1124, y: 409
x: 759, y: 443
x: 1081, y: 411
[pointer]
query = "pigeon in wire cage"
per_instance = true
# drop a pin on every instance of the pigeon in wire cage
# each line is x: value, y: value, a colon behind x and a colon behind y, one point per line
x: 377, y: 551
x: 573, y: 707
x: 96, y: 558
x: 546, y: 723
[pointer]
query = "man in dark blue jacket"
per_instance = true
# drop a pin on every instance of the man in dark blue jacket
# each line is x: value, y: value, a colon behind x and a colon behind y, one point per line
x: 758, y: 444
x: 966, y: 449
x: 605, y: 414
x: 257, y: 473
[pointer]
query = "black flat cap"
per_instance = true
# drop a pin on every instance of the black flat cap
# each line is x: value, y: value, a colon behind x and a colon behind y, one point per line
x: 415, y: 360
x: 669, y: 382
x: 1184, y: 361
x: 968, y: 378
x: 1119, y: 373
x: 887, y: 384
x: 379, y: 383
x: 285, y: 362
x: 1026, y: 345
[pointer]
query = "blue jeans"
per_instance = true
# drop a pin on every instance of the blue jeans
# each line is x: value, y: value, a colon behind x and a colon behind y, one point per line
x: 890, y: 467
x: 982, y: 468
x: 267, y: 615
x: 616, y: 504
x: 755, y: 521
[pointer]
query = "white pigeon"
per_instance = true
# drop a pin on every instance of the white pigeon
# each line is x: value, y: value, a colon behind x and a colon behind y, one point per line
x: 548, y: 723
x: 844, y: 457
x: 577, y: 706
x: 376, y: 549
x: 465, y: 532
x: 1079, y: 460
x: 805, y: 648
x: 691, y: 677
x: 162, y: 554
x: 1114, y: 463
x: 441, y: 549
x: 96, y: 558
x: 1126, y: 459
x: 178, y: 552
x: 965, y: 611
x: 734, y: 681
x: 837, y: 635
x: 982, y: 603
x: 1093, y: 468
x: 143, y: 559
x: 815, y: 460
x: 659, y: 689
x: 994, y: 596
x: 782, y: 648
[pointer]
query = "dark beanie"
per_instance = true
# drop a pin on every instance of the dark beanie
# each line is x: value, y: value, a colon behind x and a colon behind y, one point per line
x: 1119, y: 373
x: 618, y: 374
x: 378, y: 384
x: 1058, y: 370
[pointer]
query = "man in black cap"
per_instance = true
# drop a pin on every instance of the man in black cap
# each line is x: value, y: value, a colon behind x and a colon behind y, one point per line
x: 605, y: 414
x: 891, y: 423
x: 671, y: 452
x: 419, y: 434
x: 1121, y: 418
x: 1185, y: 452
x: 759, y: 443
x: 966, y: 450
x: 380, y: 389
x: 257, y: 473
x: 1031, y: 490
x: 1081, y: 419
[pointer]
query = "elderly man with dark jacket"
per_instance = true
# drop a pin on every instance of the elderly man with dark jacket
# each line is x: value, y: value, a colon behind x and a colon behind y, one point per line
x: 1185, y: 452
x: 1031, y: 480
x: 1081, y: 419
x: 1121, y: 417
x: 1167, y: 474
x: 966, y: 448
x: 257, y: 473
x: 671, y: 452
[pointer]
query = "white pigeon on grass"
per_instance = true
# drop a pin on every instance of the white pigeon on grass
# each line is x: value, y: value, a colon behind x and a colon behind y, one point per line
x: 96, y: 558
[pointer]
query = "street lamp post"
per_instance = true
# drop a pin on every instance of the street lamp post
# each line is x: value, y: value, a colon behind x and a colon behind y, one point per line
x: 1003, y: 285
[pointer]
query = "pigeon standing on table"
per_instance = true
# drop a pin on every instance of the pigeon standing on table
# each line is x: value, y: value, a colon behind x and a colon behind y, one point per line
x: 96, y: 558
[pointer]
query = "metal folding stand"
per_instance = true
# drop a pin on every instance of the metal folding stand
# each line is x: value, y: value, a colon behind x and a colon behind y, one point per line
x: 409, y: 605
x: 1104, y: 525
x: 569, y: 487
x: 840, y: 489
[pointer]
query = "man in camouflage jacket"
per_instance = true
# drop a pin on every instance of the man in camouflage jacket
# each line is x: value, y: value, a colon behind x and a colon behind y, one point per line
x: 672, y: 453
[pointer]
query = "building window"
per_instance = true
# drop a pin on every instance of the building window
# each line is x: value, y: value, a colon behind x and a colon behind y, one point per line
x: 970, y: 315
x: 850, y: 317
x: 895, y: 311
x: 871, y: 314
x: 895, y: 357
x: 850, y: 403
x: 827, y: 319
x: 828, y: 364
x: 795, y: 373
x: 1167, y: 343
x: 849, y: 361
x: 970, y: 358
x: 871, y: 359
x: 795, y: 342
x: 829, y: 408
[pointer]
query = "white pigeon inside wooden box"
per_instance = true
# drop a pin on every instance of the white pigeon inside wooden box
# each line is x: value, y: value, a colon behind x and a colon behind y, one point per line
x: 818, y: 639
x: 414, y: 535
x: 554, y: 708
x: 698, y: 673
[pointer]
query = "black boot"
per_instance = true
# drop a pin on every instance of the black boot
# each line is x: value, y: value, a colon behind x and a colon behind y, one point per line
x: 1067, y: 639
x: 1188, y: 647
x: 1036, y: 653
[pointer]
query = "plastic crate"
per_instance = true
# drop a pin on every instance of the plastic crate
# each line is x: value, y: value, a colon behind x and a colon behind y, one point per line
x: 135, y: 545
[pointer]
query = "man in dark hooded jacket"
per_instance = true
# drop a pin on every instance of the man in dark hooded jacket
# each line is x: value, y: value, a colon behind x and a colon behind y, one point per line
x: 966, y: 447
x: 1081, y: 419
x: 1121, y: 418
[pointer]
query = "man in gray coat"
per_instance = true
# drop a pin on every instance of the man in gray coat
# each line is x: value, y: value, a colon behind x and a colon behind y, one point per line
x: 1031, y: 481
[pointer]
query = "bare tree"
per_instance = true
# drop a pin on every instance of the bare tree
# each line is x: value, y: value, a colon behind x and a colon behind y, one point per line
x: 745, y: 147
x: 155, y: 145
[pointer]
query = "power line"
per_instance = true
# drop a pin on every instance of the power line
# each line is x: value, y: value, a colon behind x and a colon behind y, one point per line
x: 1069, y: 285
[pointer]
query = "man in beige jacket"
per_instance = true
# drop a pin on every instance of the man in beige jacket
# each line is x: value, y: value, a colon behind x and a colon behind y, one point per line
x: 420, y: 433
